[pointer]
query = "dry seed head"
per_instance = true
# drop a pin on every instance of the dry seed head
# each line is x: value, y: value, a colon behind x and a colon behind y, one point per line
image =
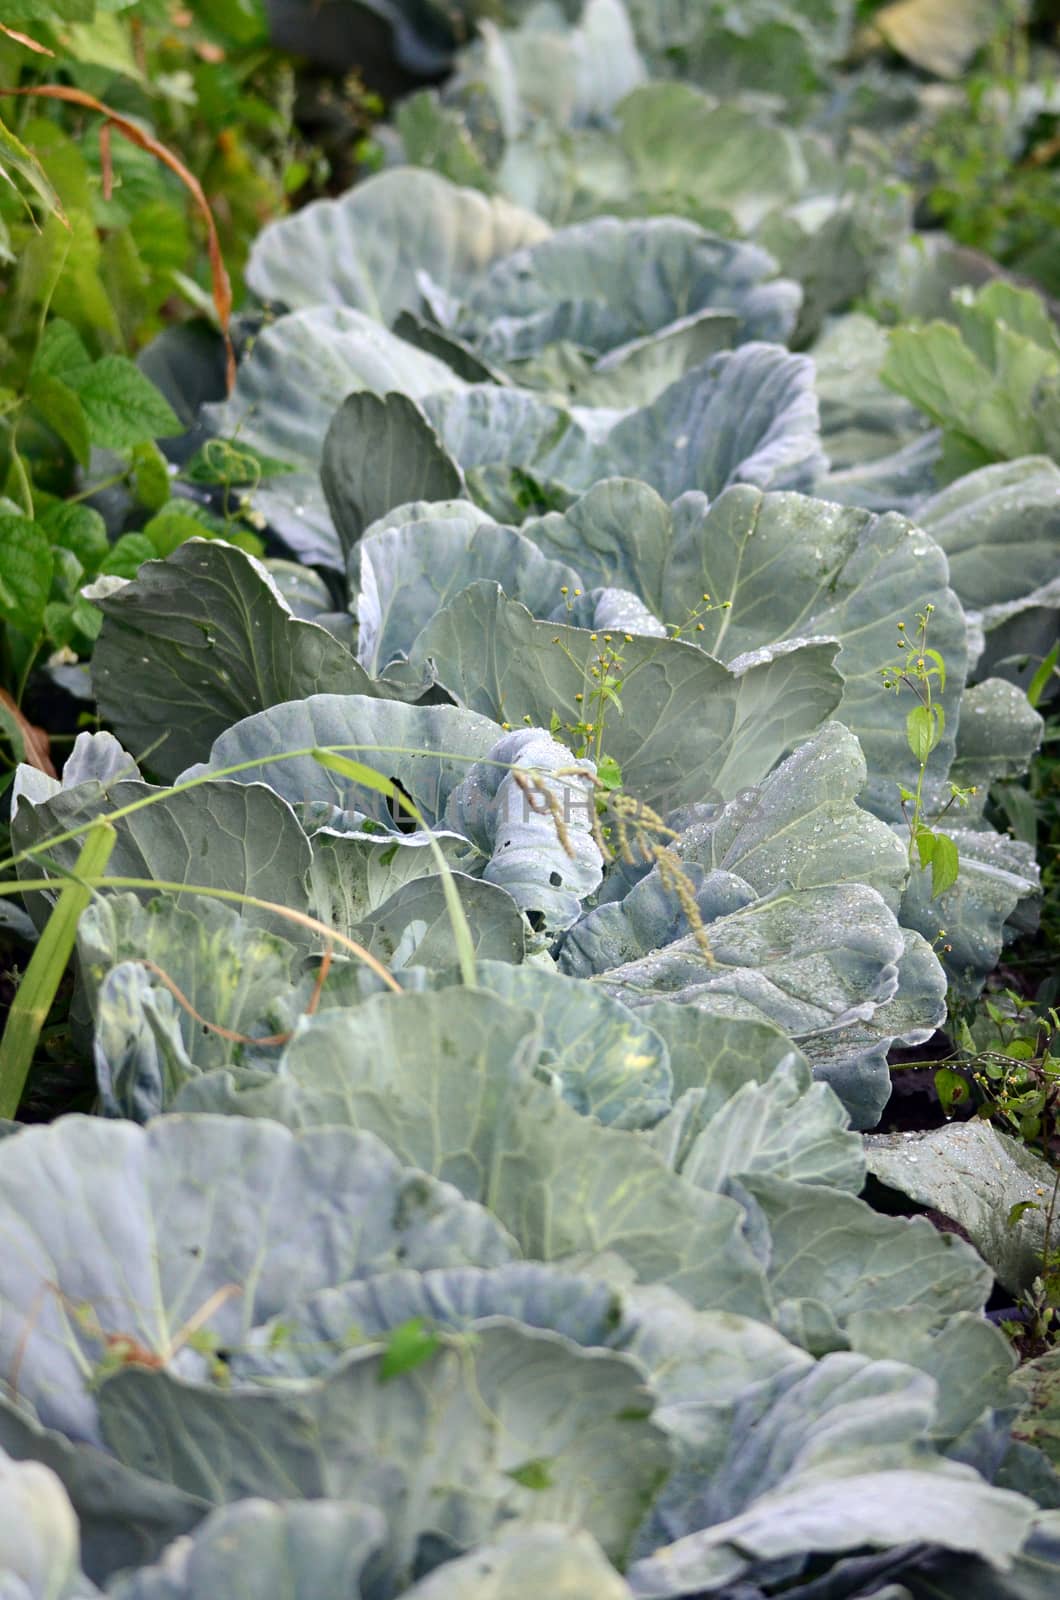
x: 542, y: 799
x: 625, y: 849
x: 677, y: 881
x: 596, y: 828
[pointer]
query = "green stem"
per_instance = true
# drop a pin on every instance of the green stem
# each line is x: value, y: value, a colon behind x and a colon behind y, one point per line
x: 97, y: 488
x: 914, y: 826
x: 27, y: 668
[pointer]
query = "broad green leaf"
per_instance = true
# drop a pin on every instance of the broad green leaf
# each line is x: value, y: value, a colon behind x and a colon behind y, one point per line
x: 833, y: 1256
x: 428, y: 749
x: 478, y: 1412
x: 434, y: 136
x: 980, y: 380
x: 319, y: 1547
x: 125, y: 1517
x: 922, y: 731
x: 200, y: 640
x: 16, y: 159
x: 67, y: 1282
x: 140, y: 1055
x: 715, y: 1055
x: 354, y: 873
x: 861, y: 419
x: 62, y: 354
x: 406, y: 571
x: 743, y: 416
x: 975, y: 1174
x: 808, y: 961
x: 26, y: 564
x: 854, y: 1058
x: 78, y: 528
x: 945, y: 864
x: 678, y: 1347
x: 786, y: 1127
x: 969, y: 1358
x: 61, y: 408
x: 560, y: 68
x: 181, y: 839
x: 449, y: 1076
x: 122, y: 408
x: 367, y: 249
x: 228, y: 971
x: 682, y: 146
x: 998, y: 737
x: 150, y: 476
x: 802, y: 825
x: 653, y: 915
x: 939, y: 1505
x: 524, y: 1566
x: 414, y: 928
x: 998, y: 528
x: 39, y: 1544
x: 379, y: 453
x: 603, y: 284
x: 805, y: 1442
x: 607, y: 1062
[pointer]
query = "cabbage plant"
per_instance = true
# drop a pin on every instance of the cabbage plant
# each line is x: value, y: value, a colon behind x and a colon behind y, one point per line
x: 514, y: 896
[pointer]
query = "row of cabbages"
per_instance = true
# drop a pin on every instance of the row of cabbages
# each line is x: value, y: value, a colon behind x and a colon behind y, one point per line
x: 557, y: 1283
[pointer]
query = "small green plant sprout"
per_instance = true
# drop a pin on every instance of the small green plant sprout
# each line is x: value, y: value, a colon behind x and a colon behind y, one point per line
x: 1040, y: 1303
x: 1008, y: 1056
x: 922, y: 670
x: 600, y: 691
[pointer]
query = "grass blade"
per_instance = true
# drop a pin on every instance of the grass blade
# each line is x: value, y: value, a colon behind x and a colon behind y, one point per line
x: 36, y: 992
